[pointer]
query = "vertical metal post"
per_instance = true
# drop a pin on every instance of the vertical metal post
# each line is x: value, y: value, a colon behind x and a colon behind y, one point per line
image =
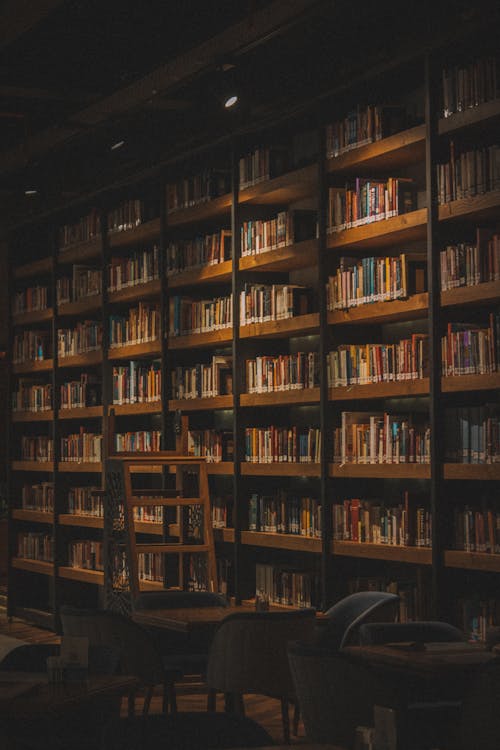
x: 238, y: 510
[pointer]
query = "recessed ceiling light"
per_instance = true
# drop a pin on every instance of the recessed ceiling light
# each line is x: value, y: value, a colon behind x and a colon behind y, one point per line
x: 117, y: 145
x: 231, y: 101
x: 31, y: 191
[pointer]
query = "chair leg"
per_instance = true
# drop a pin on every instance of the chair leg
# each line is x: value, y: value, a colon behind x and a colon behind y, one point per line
x: 286, y: 720
x: 131, y: 704
x: 296, y: 719
x: 212, y: 700
x: 147, y: 700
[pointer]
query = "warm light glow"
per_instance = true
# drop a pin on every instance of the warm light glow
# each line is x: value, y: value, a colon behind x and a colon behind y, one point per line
x: 31, y: 191
x: 231, y: 101
x: 117, y: 145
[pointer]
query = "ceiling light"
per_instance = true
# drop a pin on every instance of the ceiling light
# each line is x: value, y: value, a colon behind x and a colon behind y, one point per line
x: 231, y: 101
x: 30, y: 192
x: 117, y: 145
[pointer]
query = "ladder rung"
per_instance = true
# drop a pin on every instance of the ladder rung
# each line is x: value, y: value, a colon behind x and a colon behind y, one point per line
x: 166, y: 502
x: 171, y: 548
x: 157, y: 493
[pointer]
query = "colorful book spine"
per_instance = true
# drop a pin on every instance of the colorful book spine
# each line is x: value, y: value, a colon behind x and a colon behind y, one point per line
x: 32, y: 299
x: 266, y: 445
x: 188, y: 316
x: 81, y: 447
x: 286, y: 372
x: 203, y: 250
x: 83, y: 502
x: 39, y: 448
x: 137, y: 382
x: 468, y: 173
x: 138, y: 268
x: 34, y: 397
x: 282, y: 513
x: 142, y: 324
x: 260, y: 303
x: 33, y: 545
x: 381, y: 438
x: 140, y: 441
x: 83, y: 230
x: 361, y: 364
x: 38, y: 497
x: 368, y: 200
x: 85, y: 337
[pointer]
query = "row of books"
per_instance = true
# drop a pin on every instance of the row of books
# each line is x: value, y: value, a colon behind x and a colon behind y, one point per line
x: 31, y: 346
x: 285, y: 372
x: 263, y: 302
x: 86, y: 554
x: 285, y: 514
x: 137, y: 383
x: 367, y: 200
x: 468, y: 349
x: 34, y: 545
x: 467, y: 264
x: 379, y: 522
x: 187, y: 316
x: 38, y: 497
x: 261, y: 235
x: 263, y: 163
x: 32, y: 397
x: 359, y: 281
x: 221, y: 507
x: 468, y: 85
x: 359, y: 364
x: 85, y: 282
x: 213, y: 445
x: 196, y: 189
x: 141, y: 325
x: 84, y: 229
x: 85, y: 337
x: 83, y: 502
x: 37, y: 448
x: 381, y: 438
x: 468, y: 173
x: 151, y: 566
x: 363, y: 125
x: 203, y: 250
x: 138, y: 268
x: 267, y: 445
x: 476, y: 530
x: 203, y: 380
x: 32, y: 299
x: 280, y: 585
x: 81, y: 447
x: 472, y: 435
x: 140, y: 441
x: 77, y: 394
x: 127, y: 215
x: 476, y: 615
x: 149, y: 513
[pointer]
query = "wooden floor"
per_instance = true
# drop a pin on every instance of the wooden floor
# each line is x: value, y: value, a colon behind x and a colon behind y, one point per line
x: 191, y: 696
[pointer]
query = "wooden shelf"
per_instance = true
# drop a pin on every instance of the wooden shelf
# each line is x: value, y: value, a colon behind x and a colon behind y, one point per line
x: 45, y: 466
x: 218, y: 273
x: 74, y: 467
x: 72, y: 519
x: 81, y: 306
x: 150, y: 407
x: 470, y: 118
x: 34, y: 268
x: 201, y: 212
x: 478, y: 207
x: 147, y: 527
x: 38, y: 365
x: 33, y: 316
x: 460, y: 383
x: 132, y: 351
x: 293, y: 542
x: 201, y: 404
x: 281, y: 398
x: 33, y: 416
x: 472, y: 560
x: 475, y: 472
x: 399, y: 388
x: 405, y: 228
x: 280, y: 469
x: 301, y: 325
x: 80, y: 251
x: 198, y: 340
x: 146, y: 232
x: 224, y: 535
x: 85, y: 412
x: 33, y: 566
x: 136, y: 292
x: 81, y: 574
x: 288, y: 258
x: 380, y: 471
x: 88, y: 359
x: 389, y: 552
x: 480, y: 294
x: 287, y: 188
x: 222, y: 467
x: 33, y: 516
x: 145, y: 468
x: 393, y: 152
x: 415, y: 306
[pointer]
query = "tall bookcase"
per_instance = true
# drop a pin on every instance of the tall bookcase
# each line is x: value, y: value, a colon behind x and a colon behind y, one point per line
x: 352, y: 471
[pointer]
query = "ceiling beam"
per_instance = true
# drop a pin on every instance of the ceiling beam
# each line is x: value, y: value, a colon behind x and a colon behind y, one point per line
x: 19, y: 16
x: 35, y: 94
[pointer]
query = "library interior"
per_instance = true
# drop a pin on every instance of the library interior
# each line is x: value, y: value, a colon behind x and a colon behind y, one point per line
x: 250, y: 375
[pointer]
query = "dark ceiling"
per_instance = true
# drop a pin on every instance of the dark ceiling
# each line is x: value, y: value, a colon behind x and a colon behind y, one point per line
x: 78, y: 75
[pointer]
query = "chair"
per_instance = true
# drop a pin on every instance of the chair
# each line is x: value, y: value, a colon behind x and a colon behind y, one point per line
x: 32, y: 657
x: 249, y: 655
x: 138, y: 653
x: 375, y: 633
x: 345, y: 617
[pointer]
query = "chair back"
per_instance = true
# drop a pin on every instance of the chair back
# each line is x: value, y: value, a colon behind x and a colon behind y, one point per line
x: 179, y: 600
x: 373, y: 633
x: 249, y: 652
x: 345, y: 617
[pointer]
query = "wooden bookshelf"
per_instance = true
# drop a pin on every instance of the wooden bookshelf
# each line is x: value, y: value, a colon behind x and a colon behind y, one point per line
x: 395, y: 389
x: 287, y: 258
x: 461, y: 383
x: 80, y: 467
x: 292, y: 542
x: 80, y: 251
x: 133, y: 351
x: 415, y: 306
x: 281, y: 398
x: 221, y: 467
x: 201, y: 340
x: 208, y: 210
x: 84, y: 412
x: 380, y: 471
x: 480, y: 294
x: 398, y: 229
x: 32, y: 516
x: 472, y: 560
x: 84, y: 520
x: 391, y: 153
x: 475, y: 472
x: 287, y: 188
x: 33, y: 416
x: 224, y: 535
x: 301, y: 325
x: 150, y: 407
x: 33, y: 317
x: 81, y: 574
x: 201, y: 404
x: 88, y: 359
x: 147, y: 527
x: 472, y: 118
x: 81, y: 307
x: 388, y: 552
x: 146, y: 232
x: 40, y: 365
x: 45, y: 466
x: 476, y: 208
x: 41, y: 267
x: 278, y: 469
x: 216, y: 274
x: 136, y: 292
x: 33, y: 566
